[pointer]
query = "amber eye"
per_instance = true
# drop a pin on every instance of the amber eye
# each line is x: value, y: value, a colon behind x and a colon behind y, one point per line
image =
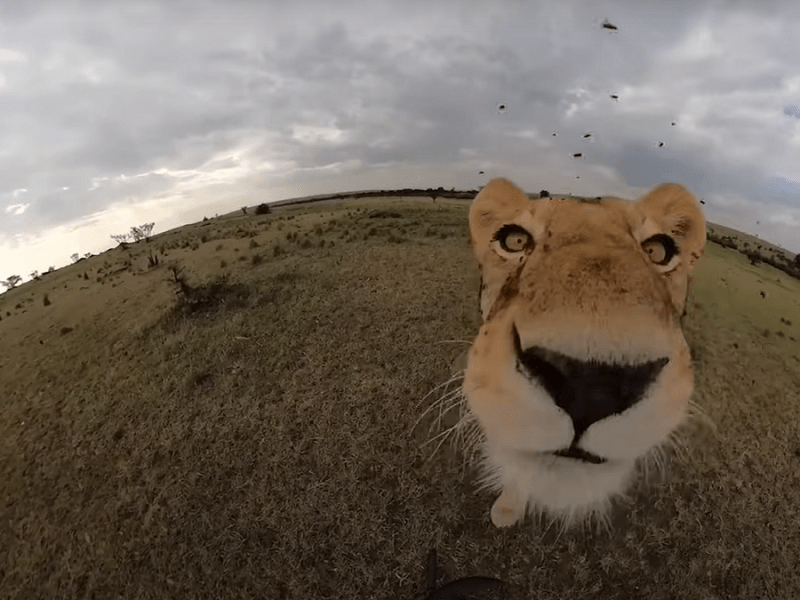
x: 513, y: 238
x: 661, y: 248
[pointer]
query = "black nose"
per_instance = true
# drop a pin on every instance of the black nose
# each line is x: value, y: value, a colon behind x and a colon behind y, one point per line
x: 587, y: 391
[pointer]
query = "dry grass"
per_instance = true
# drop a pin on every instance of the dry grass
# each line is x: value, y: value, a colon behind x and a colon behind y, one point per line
x: 254, y: 438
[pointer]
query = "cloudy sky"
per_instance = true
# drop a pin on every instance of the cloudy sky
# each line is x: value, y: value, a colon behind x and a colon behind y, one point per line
x: 116, y: 114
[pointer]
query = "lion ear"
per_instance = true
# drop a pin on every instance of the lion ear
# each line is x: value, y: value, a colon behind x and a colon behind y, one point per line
x: 499, y: 201
x: 677, y: 212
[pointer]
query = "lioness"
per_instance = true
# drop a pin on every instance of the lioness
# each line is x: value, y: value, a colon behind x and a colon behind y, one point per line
x: 580, y: 367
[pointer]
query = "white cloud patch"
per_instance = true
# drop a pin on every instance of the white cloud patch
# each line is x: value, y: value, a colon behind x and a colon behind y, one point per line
x: 7, y: 55
x: 241, y: 101
x: 16, y: 209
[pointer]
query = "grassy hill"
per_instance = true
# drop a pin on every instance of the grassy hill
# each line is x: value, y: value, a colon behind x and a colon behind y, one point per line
x: 229, y: 410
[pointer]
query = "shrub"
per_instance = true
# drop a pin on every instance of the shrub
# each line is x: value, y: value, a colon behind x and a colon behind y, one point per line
x: 253, y: 244
x: 223, y: 264
x: 256, y: 259
x: 263, y: 209
x: 46, y: 301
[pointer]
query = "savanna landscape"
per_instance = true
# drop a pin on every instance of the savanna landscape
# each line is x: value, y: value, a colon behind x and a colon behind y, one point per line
x: 236, y: 408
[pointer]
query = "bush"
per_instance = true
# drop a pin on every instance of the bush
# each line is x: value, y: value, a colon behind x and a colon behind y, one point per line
x: 263, y: 209
x: 253, y: 244
x: 46, y: 301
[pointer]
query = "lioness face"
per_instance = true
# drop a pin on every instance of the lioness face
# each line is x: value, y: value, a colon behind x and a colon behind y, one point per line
x: 580, y: 367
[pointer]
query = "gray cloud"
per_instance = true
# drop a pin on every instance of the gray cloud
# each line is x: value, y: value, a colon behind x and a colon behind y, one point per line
x: 159, y: 88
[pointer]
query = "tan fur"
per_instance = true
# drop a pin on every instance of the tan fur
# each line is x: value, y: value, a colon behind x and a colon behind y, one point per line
x: 584, y: 285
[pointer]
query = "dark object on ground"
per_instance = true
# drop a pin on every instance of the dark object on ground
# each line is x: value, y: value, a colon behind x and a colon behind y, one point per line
x: 466, y: 587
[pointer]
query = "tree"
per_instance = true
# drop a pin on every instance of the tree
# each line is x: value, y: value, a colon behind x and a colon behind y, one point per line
x: 142, y: 232
x: 244, y: 209
x: 12, y: 281
x: 87, y: 255
x: 35, y: 275
x: 121, y: 240
x: 263, y: 209
x: 75, y: 257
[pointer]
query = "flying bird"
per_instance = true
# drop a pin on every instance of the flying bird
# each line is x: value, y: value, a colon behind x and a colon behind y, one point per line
x: 608, y: 25
x: 577, y: 155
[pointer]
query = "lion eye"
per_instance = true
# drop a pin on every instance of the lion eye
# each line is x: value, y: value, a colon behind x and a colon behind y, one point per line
x: 661, y: 248
x: 515, y: 242
x: 513, y: 238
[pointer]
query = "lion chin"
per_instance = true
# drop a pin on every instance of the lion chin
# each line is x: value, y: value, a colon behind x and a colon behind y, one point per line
x: 580, y: 370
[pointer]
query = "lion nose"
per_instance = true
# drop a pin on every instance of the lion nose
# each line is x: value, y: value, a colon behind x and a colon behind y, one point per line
x: 588, y: 391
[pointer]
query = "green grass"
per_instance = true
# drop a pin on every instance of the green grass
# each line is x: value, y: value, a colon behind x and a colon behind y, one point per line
x: 259, y: 442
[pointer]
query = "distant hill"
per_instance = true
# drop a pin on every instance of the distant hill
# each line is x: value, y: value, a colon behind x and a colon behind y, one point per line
x: 756, y: 249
